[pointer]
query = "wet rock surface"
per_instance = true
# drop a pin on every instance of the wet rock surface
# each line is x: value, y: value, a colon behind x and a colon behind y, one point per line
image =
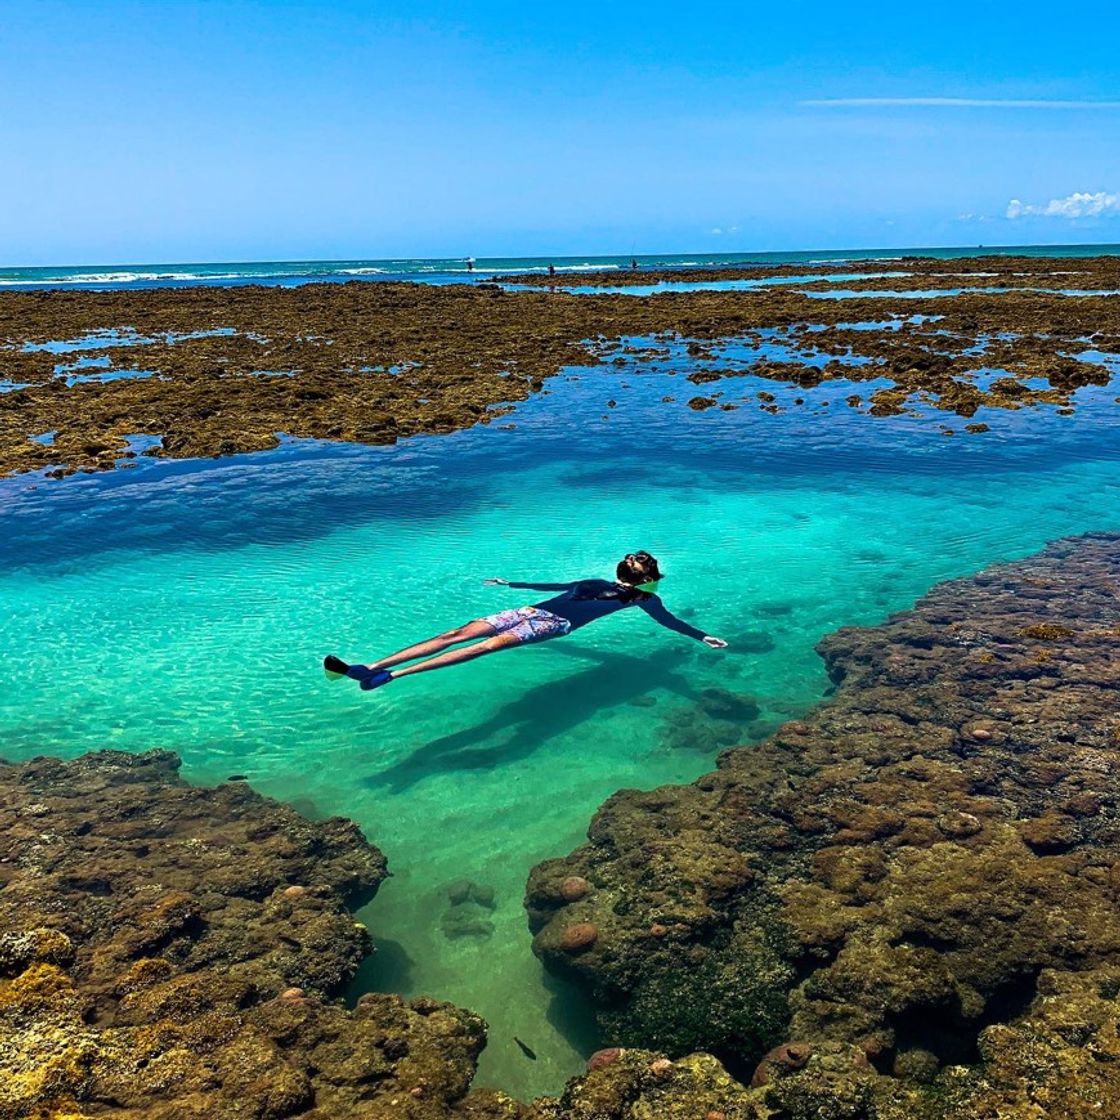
x: 214, y: 371
x: 913, y: 892
x: 170, y: 951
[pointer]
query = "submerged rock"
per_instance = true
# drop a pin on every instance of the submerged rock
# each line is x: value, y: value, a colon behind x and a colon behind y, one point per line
x: 894, y: 875
x: 483, y: 895
x: 723, y: 703
x: 459, y: 891
x: 466, y: 921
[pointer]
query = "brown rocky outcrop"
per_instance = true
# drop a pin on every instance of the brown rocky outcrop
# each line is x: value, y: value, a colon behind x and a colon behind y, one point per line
x: 170, y: 951
x: 923, y: 871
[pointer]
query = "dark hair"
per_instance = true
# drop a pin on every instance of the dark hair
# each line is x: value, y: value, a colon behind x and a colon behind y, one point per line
x: 644, y: 560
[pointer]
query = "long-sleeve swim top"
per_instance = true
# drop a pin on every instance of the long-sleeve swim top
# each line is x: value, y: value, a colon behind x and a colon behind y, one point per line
x: 586, y: 600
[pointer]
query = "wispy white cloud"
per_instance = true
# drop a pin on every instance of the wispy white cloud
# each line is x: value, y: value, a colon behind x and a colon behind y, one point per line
x: 1080, y: 204
x: 955, y: 103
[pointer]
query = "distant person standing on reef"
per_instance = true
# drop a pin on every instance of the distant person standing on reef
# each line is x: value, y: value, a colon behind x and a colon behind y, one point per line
x: 585, y: 600
x: 633, y: 264
x: 470, y: 264
x: 552, y: 270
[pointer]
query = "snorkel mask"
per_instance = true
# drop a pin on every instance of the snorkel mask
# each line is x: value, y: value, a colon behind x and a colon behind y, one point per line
x: 640, y: 564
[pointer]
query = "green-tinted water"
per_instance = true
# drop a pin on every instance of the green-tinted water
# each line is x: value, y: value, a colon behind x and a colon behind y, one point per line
x: 189, y: 606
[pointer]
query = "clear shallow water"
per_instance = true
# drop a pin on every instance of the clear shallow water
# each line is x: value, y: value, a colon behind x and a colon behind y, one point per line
x: 188, y: 606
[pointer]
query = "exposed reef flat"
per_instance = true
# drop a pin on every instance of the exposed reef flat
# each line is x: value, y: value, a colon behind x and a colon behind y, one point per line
x: 213, y: 371
x: 936, y: 272
x: 169, y: 951
x: 905, y: 905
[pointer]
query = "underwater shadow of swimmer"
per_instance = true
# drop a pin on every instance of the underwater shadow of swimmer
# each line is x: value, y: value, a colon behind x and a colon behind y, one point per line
x: 541, y: 714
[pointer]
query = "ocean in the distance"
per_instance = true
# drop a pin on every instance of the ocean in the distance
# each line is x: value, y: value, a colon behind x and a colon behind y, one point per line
x: 450, y: 270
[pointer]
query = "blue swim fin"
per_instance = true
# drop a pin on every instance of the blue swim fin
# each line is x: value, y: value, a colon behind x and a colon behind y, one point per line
x: 335, y: 668
x: 375, y: 679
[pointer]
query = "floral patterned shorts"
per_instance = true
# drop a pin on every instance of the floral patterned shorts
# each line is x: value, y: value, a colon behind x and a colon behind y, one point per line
x: 530, y: 624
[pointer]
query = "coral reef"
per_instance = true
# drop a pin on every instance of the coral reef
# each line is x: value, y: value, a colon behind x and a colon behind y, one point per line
x: 914, y: 889
x: 992, y: 270
x: 170, y: 951
x: 212, y: 371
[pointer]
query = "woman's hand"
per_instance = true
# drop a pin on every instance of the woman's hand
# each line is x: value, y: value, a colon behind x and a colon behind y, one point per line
x: 495, y: 583
x: 714, y: 643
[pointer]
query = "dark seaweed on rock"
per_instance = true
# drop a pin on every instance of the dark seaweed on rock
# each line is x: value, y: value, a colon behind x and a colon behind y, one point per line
x: 921, y: 882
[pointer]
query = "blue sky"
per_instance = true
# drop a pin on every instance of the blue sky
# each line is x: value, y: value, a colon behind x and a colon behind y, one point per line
x: 215, y: 130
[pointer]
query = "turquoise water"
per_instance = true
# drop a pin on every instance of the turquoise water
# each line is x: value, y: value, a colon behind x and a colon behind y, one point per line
x: 454, y: 269
x: 187, y: 605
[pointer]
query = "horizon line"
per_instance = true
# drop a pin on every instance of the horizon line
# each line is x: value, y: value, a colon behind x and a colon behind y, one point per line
x: 956, y: 103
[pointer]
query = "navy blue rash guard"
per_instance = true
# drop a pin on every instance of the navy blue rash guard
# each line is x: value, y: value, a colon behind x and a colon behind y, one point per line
x: 586, y: 600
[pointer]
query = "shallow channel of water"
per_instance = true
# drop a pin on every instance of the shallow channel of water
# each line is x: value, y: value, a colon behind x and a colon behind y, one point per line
x: 188, y: 605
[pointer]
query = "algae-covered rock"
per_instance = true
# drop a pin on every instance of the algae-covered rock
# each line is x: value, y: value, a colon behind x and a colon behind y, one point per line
x: 112, y: 859
x: 170, y: 951
x: 728, y: 1000
x: 897, y: 875
x: 644, y: 1085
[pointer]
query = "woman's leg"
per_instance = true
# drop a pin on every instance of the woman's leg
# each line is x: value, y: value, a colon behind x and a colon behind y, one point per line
x: 475, y: 629
x: 468, y: 653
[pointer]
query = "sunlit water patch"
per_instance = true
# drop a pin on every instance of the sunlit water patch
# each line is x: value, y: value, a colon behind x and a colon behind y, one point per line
x: 106, y: 339
x: 188, y: 605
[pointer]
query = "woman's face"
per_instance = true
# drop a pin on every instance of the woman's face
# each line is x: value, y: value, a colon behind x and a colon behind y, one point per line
x: 639, y: 572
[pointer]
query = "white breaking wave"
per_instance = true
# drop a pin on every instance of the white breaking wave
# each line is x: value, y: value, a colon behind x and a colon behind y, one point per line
x: 130, y: 277
x: 587, y: 267
x: 83, y: 278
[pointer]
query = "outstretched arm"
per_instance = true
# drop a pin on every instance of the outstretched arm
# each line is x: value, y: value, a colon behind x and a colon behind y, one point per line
x: 527, y: 586
x: 656, y: 609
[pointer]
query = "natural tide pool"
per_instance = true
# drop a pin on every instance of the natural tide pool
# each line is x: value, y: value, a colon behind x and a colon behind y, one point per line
x: 188, y: 605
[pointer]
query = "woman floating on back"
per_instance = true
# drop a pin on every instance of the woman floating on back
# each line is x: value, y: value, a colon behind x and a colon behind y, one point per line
x: 575, y: 605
